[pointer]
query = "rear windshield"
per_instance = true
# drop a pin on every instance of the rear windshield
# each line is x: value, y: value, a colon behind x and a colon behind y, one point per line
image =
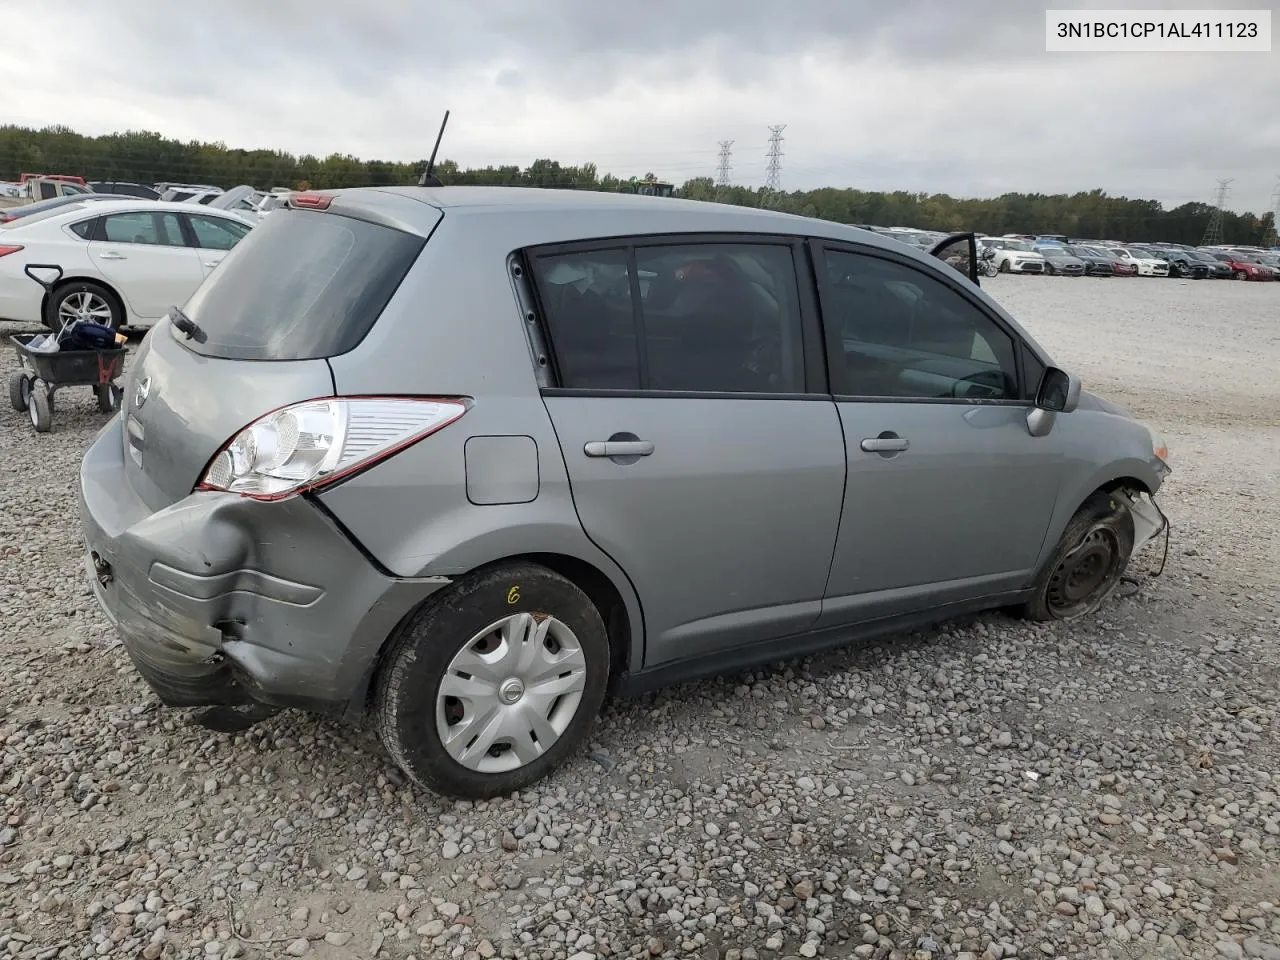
x: 302, y: 285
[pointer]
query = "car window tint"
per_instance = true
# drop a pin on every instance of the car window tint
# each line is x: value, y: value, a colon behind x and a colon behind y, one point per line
x: 130, y: 228
x: 907, y: 334
x: 83, y: 229
x: 47, y: 190
x: 721, y: 317
x: 214, y: 233
x: 586, y: 301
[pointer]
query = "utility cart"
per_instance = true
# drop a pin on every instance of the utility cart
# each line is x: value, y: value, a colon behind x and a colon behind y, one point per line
x: 41, y: 373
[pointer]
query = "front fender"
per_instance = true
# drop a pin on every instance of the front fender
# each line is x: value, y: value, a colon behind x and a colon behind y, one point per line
x: 1149, y: 473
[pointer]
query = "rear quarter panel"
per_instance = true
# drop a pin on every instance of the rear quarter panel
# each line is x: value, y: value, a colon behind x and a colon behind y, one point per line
x: 454, y: 329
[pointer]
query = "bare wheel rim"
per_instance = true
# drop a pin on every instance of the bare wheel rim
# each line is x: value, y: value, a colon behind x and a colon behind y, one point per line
x: 510, y: 693
x: 84, y: 305
x: 1085, y: 573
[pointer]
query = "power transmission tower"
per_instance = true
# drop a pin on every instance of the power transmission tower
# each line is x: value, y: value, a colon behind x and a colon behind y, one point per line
x: 1272, y: 236
x: 724, y: 166
x: 773, y: 180
x: 1213, y: 232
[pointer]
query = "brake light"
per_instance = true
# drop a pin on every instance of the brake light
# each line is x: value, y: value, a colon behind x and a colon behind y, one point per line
x: 5, y: 251
x: 309, y: 445
x: 312, y: 201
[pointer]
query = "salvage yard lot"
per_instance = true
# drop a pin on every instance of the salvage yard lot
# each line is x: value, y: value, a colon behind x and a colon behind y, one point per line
x: 1105, y: 789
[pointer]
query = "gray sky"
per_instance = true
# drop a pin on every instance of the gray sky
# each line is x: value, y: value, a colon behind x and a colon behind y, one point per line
x: 922, y: 95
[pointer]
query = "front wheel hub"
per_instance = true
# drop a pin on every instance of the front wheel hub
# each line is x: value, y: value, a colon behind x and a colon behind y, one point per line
x: 1084, y: 573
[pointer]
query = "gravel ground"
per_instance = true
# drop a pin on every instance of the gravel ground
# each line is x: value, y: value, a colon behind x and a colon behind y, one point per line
x: 990, y: 789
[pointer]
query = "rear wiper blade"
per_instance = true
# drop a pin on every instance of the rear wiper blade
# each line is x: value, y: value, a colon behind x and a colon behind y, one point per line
x: 188, y: 326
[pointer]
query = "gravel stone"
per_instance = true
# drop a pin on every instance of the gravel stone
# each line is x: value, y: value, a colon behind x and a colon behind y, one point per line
x: 985, y: 789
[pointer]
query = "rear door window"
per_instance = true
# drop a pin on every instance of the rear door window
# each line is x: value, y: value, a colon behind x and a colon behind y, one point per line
x: 303, y: 285
x: 158, y: 229
x: 697, y: 318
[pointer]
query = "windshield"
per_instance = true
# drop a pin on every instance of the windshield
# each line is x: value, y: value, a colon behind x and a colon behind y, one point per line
x: 1015, y: 245
x: 1055, y: 252
x: 301, y: 286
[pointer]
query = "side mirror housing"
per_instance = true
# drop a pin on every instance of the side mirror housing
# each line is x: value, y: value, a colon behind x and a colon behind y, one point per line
x: 1059, y: 391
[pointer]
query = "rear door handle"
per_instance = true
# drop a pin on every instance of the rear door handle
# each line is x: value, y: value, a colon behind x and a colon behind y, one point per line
x: 112, y: 255
x: 618, y: 448
x: 885, y: 444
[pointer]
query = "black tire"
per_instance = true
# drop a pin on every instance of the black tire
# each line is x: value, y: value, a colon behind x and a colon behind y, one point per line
x: 108, y: 396
x: 40, y: 408
x: 82, y: 287
x: 19, y: 390
x: 1087, y: 564
x: 1241, y: 275
x: 409, y: 678
x: 1004, y: 266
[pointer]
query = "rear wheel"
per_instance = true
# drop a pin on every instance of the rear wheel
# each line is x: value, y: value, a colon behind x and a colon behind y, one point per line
x: 1241, y: 275
x: 1087, y: 564
x: 83, y: 300
x: 20, y: 390
x: 494, y: 683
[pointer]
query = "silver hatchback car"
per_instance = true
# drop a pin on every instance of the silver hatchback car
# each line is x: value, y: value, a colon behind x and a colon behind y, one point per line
x: 471, y: 459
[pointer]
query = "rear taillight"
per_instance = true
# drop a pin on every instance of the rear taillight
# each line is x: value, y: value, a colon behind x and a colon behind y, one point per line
x: 309, y: 445
x: 312, y: 201
x: 6, y: 250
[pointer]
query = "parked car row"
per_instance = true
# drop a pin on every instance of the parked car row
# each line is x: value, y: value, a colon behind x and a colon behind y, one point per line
x: 1108, y: 258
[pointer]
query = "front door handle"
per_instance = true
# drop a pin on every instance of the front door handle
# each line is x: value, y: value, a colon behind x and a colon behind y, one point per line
x: 212, y: 263
x: 618, y: 448
x: 884, y: 444
x: 112, y: 255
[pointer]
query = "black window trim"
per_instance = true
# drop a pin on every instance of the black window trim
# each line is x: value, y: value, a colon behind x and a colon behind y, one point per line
x: 91, y: 233
x: 812, y: 345
x: 836, y: 372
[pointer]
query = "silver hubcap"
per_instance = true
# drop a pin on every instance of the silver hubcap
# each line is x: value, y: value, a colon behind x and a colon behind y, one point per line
x: 510, y: 693
x: 84, y: 306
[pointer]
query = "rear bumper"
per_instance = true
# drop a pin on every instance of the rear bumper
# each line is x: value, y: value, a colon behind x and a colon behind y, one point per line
x: 221, y: 600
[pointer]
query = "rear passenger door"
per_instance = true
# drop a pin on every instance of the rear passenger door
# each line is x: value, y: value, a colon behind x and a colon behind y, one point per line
x: 949, y: 496
x: 703, y: 450
x: 145, y: 257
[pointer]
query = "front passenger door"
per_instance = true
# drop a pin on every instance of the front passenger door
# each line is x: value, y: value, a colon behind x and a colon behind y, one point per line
x: 214, y: 237
x: 948, y: 495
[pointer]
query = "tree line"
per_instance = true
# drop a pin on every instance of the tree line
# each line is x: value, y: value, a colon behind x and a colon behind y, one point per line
x: 148, y: 157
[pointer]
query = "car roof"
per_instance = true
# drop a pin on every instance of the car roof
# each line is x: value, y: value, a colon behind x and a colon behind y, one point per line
x: 634, y: 213
x: 118, y: 201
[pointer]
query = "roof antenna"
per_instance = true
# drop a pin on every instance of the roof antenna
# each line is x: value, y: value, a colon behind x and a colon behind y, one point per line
x: 428, y: 178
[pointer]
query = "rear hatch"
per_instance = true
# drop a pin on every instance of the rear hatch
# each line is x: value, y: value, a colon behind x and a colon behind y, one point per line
x: 303, y: 286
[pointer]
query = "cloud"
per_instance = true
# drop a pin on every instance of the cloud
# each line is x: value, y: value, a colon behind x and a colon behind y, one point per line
x: 917, y: 95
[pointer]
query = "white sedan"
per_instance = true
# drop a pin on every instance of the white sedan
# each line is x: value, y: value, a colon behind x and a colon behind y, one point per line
x: 1147, y: 265
x: 124, y: 262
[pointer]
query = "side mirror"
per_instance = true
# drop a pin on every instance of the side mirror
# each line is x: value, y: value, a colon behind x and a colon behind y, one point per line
x: 1059, y: 391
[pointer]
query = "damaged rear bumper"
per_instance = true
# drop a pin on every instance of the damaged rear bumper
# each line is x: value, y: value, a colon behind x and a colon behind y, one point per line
x: 221, y: 600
